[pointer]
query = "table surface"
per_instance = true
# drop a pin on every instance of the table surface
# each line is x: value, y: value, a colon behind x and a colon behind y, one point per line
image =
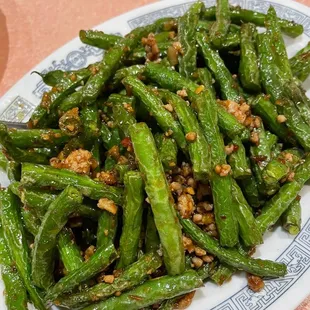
x: 29, y: 33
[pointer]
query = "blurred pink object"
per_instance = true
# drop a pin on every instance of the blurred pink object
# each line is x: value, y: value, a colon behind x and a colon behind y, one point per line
x: 31, y: 30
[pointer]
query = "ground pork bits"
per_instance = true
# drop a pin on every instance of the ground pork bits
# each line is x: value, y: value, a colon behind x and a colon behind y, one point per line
x: 108, y: 205
x: 255, y: 283
x: 186, y: 205
x: 223, y: 170
x: 108, y: 177
x: 191, y: 136
x: 80, y: 161
x: 151, y: 47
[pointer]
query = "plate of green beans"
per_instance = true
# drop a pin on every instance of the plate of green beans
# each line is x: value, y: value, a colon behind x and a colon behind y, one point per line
x: 162, y: 165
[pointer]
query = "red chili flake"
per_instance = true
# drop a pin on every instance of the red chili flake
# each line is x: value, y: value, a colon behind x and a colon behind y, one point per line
x: 236, y: 148
x: 126, y: 142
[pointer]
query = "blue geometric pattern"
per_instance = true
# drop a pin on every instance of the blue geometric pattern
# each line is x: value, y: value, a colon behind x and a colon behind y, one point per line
x: 19, y: 110
x: 297, y: 255
x: 297, y: 259
x: 75, y: 60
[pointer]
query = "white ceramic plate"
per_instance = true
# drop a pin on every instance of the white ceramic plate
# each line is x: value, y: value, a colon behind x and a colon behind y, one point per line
x: 285, y: 293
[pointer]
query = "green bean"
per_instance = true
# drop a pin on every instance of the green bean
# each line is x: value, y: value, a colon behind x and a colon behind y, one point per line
x: 168, y: 79
x: 140, y: 54
x: 98, y: 262
x: 132, y: 219
x: 260, y: 156
x: 205, y: 78
x: 174, y: 81
x: 167, y: 150
x: 118, y: 98
x: 96, y: 154
x: 151, y: 233
x: 46, y: 239
x: 69, y: 252
x: 219, y: 70
x: 291, y: 218
x: 186, y: 35
x: 205, y: 270
x: 133, y: 275
x: 10, y: 167
x: 39, y: 200
x: 222, y: 273
x: 302, y: 51
x: 240, y: 16
x: 120, y: 74
x: 152, y: 291
x: 40, y: 175
x: 275, y: 207
x: 269, y: 73
x: 220, y: 27
x: 249, y: 230
x: 109, y: 136
x: 232, y: 39
x: 300, y: 63
x: 112, y: 60
x: 99, y: 38
x: 278, y: 45
x: 281, y: 166
x: 164, y: 36
x: 37, y: 138
x: 36, y: 199
x: 298, y: 96
x: 71, y: 101
x: 274, y: 172
x: 16, y: 153
x: 238, y: 161
x: 107, y: 228
x: 251, y: 193
x: 121, y: 170
x: 90, y: 121
x: 199, y: 149
x: 123, y: 118
x: 87, y: 211
x: 15, y: 292
x: 15, y: 237
x: 52, y: 78
x: 302, y: 171
x: 279, y: 203
x: 230, y: 126
x: 231, y: 256
x: 155, y: 106
x: 204, y: 25
x: 30, y: 220
x: 294, y: 122
x: 61, y: 78
x: 44, y: 114
x: 159, y: 196
x: 206, y: 107
x: 248, y: 68
x: 262, y: 106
